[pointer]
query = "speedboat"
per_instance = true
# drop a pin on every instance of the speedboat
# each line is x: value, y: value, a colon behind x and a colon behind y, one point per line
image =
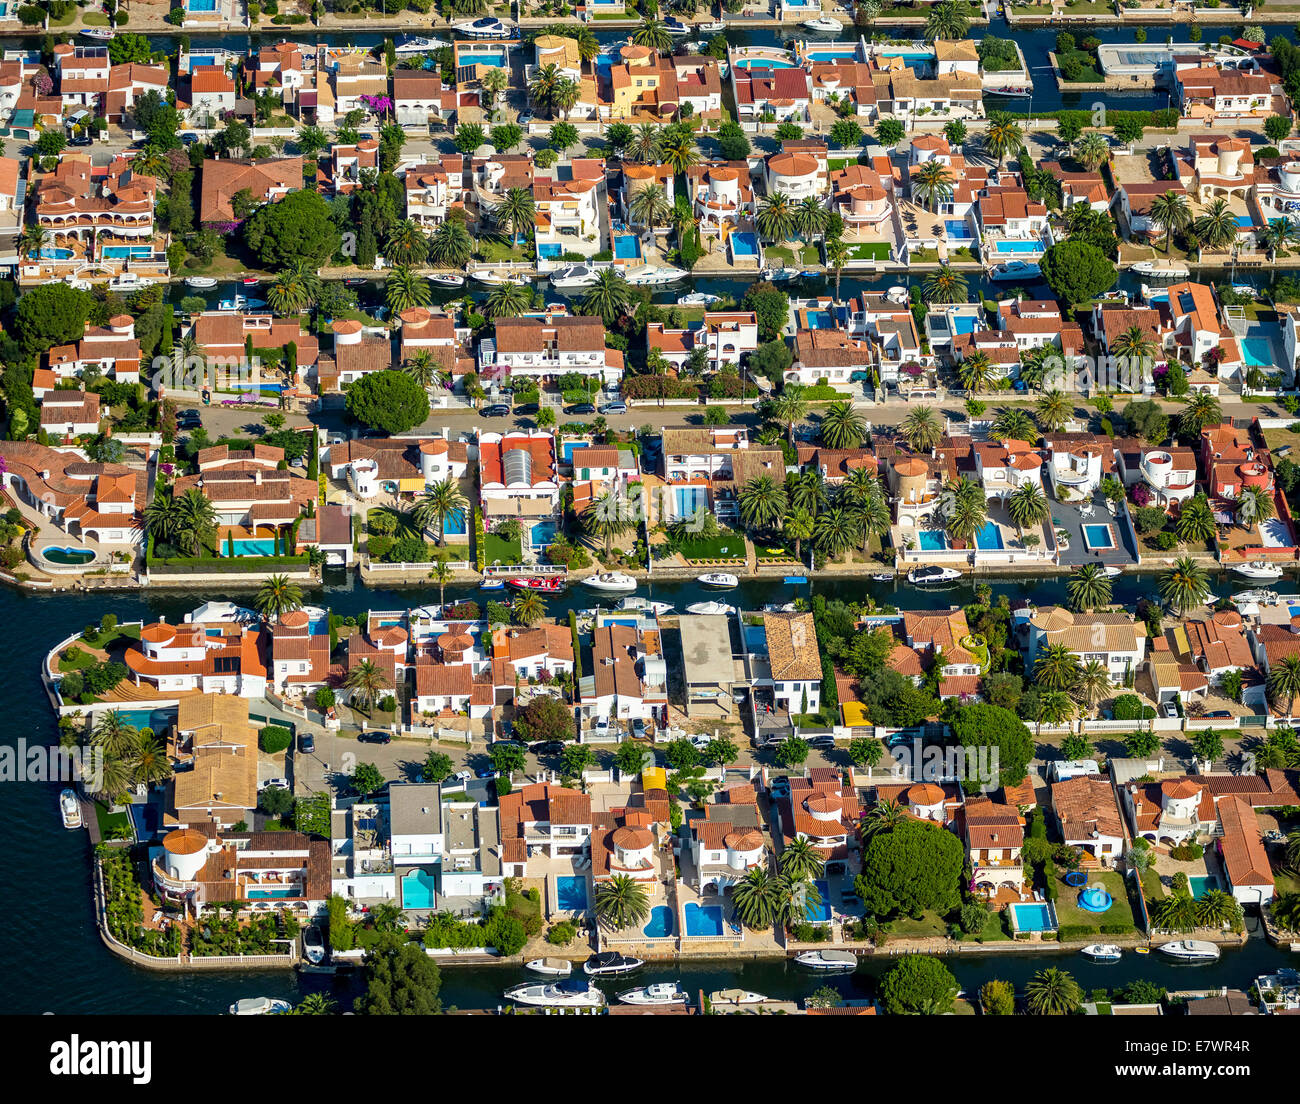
x: 238, y: 302
x: 661, y: 992
x: 657, y: 274
x: 200, y: 283
x: 313, y: 947
x: 1261, y: 570
x: 415, y: 44
x: 824, y: 23
x: 259, y: 1006
x: 718, y: 579
x: 70, y: 809
x: 610, y: 963
x: 736, y: 996
x: 552, y: 967
x: 447, y: 279
x: 1255, y: 598
x: 487, y: 27
x: 1190, y: 950
x: 103, y: 34
x: 636, y: 602
x: 928, y: 576
x: 780, y: 275
x: 1169, y: 269
x: 575, y: 276
x: 698, y: 299
x: 1102, y: 952
x: 611, y: 582
x: 496, y: 276
x: 569, y: 993
x: 676, y: 26
x: 250, y: 281
x: 1016, y: 270
x: 716, y: 27
x: 710, y: 609
x: 492, y: 584
x: 884, y: 577
x: 828, y: 960
x: 1111, y: 571
x: 549, y: 585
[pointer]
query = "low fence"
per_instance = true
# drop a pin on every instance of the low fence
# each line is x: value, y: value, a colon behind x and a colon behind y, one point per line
x: 454, y: 565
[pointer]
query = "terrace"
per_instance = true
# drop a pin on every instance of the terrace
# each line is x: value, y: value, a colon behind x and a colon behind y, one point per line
x: 1092, y: 534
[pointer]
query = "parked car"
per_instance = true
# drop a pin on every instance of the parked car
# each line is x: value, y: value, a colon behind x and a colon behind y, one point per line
x: 375, y: 738
x: 581, y: 408
x: 525, y: 117
x: 1218, y: 715
x: 463, y: 775
x: 822, y: 743
x: 618, y: 406
x: 638, y: 729
x: 188, y: 138
x: 547, y: 747
x: 81, y: 140
x: 1168, y: 709
x: 306, y: 743
x: 189, y: 418
x: 267, y: 783
x: 496, y: 410
x: 601, y: 728
x: 488, y: 772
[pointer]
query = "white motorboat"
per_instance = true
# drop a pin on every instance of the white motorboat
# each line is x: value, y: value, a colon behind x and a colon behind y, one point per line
x: 1170, y: 270
x: 610, y: 964
x: 1255, y: 598
x: 884, y: 576
x: 200, y: 283
x: 1016, y: 270
x: 416, y: 44
x: 780, y: 275
x: 710, y: 609
x: 825, y: 24
x: 487, y: 27
x: 928, y: 576
x: 1259, y: 570
x: 636, y: 602
x: 575, y: 276
x: 69, y: 809
x: 716, y: 27
x: 828, y: 960
x: 1111, y: 571
x: 313, y: 946
x: 496, y: 276
x: 239, y: 303
x: 780, y: 607
x: 1190, y: 950
x: 1102, y: 952
x: 657, y: 274
x: 717, y: 579
x: 611, y: 582
x: 259, y: 1006
x: 736, y: 996
x: 897, y: 294
x: 551, y: 967
x: 102, y: 34
x: 698, y: 299
x: 676, y: 26
x: 447, y: 279
x: 661, y: 992
x: 569, y: 993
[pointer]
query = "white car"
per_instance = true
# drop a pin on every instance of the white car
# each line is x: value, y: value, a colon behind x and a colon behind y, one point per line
x: 700, y: 740
x: 463, y: 776
x: 601, y: 729
x: 266, y: 784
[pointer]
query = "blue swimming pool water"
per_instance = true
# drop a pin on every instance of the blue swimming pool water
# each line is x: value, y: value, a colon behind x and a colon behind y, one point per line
x: 703, y: 919
x: 417, y: 890
x: 764, y: 63
x: 1201, y: 884
x: 690, y: 499
x: 155, y: 719
x: 963, y: 324
x: 480, y: 59
x: 909, y: 55
x: 820, y: 320
x: 1017, y: 247
x: 826, y: 54
x: 201, y: 5
x: 958, y: 229
x: 1245, y: 220
x: 1032, y: 917
x: 932, y: 540
x: 1098, y: 536
x: 454, y: 524
x: 989, y: 537
x: 571, y: 893
x: 202, y: 59
x: 820, y: 913
x: 542, y: 534
x: 660, y: 923
x: 550, y: 251
x: 1258, y: 352
x: 626, y: 247
x: 260, y: 547
x: 121, y: 252
x: 744, y: 245
x: 279, y: 891
x: 53, y: 253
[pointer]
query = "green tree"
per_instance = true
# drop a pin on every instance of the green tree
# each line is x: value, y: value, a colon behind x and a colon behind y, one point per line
x: 388, y: 400
x: 918, y: 985
x: 401, y: 980
x: 1077, y: 271
x: 621, y: 903
x: 909, y: 869
x: 296, y: 230
x: 1053, y: 992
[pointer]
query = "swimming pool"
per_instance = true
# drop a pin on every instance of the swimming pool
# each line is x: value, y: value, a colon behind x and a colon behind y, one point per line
x: 541, y: 534
x: 958, y: 230
x: 571, y: 893
x: 155, y: 720
x: 703, y: 919
x: 279, y: 891
x: 1245, y: 221
x: 260, y: 547
x: 550, y: 251
x: 481, y: 59
x: 689, y: 500
x: 627, y: 247
x: 1201, y: 884
x: 932, y: 540
x: 831, y: 55
x: 53, y: 253
x: 1258, y: 351
x: 121, y: 252
x: 202, y: 59
x: 1031, y: 917
x: 71, y: 557
x: 201, y: 5
x: 819, y: 913
x: 454, y: 523
x: 660, y: 924
x: 909, y: 55
x: 744, y: 245
x: 820, y: 320
x: 1017, y: 247
x: 963, y: 324
x: 764, y: 63
x: 990, y: 537
x: 1098, y: 538
x: 417, y: 890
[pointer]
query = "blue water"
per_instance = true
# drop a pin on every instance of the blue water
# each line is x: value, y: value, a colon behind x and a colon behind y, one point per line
x: 542, y: 534
x: 627, y: 248
x: 156, y: 719
x: 909, y: 55
x: 989, y: 537
x: 454, y: 524
x: 480, y: 59
x: 744, y: 245
x: 963, y: 324
x: 281, y: 891
x: 932, y: 540
x: 417, y: 890
x: 318, y: 626
x: 1245, y: 221
x: 820, y: 320
x: 261, y: 547
x: 51, y: 253
x: 571, y: 893
x: 660, y: 923
x: 831, y: 55
x: 1017, y: 247
x: 958, y: 229
x: 820, y: 913
x: 703, y: 919
x: 550, y: 251
x: 201, y: 5
x: 1098, y: 536
x: 764, y: 63
x: 1201, y: 884
x: 121, y: 252
x: 1258, y: 351
x: 690, y: 499
x: 570, y: 447
x: 1032, y: 917
x: 202, y: 59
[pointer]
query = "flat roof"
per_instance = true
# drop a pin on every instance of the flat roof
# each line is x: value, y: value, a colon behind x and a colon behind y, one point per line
x: 706, y: 648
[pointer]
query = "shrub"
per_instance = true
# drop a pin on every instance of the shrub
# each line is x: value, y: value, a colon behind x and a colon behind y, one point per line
x: 274, y: 738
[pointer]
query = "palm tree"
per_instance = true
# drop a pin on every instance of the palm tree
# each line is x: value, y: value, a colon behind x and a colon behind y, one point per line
x: 1092, y: 685
x: 797, y: 901
x: 315, y: 1004
x: 1172, y: 212
x: 293, y: 290
x: 921, y: 430
x: 806, y: 491
x: 441, y: 573
x: 1254, y: 505
x: 621, y: 903
x: 1217, y: 227
x: 1092, y: 149
x: 788, y: 408
x: 678, y: 150
x: 932, y: 183
x: 776, y: 217
x: 114, y: 735
x: 1027, y: 506
x: 798, y: 527
x: 964, y: 509
x: 975, y: 371
x: 1088, y: 587
x: 162, y: 517
x: 1002, y: 136
x: 1195, y: 523
x: 508, y: 300
x: 609, y: 297
x: 947, y: 285
x: 810, y: 218
x: 842, y: 427
x: 406, y: 289
x: 1215, y: 908
x: 1184, y: 585
x: 800, y: 860
x: 278, y: 596
x: 645, y: 145
x: 422, y: 368
x: 197, y: 523
x: 837, y: 530
x: 1057, y: 668
x: 438, y: 503
x: 565, y: 96
x: 34, y: 238
x: 494, y: 82
x: 873, y: 518
x: 654, y: 34
x: 1291, y: 853
x: 150, y: 764
x: 762, y: 502
x: 1134, y: 344
x: 946, y: 21
x: 516, y: 213
x: 529, y: 608
x: 607, y: 518
x: 1014, y: 424
x: 542, y: 87
x: 837, y: 257
x: 649, y: 206
x: 407, y: 244
x: 451, y: 245
x: 883, y: 816
x: 1054, y: 708
x: 366, y: 682
x: 1053, y: 409
x: 1052, y: 992
x: 753, y: 898
x: 1199, y: 410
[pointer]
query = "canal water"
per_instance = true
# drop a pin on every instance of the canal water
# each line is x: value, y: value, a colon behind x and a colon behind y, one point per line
x: 54, y: 961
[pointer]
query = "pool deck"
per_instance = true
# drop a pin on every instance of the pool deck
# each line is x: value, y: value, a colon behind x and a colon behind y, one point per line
x: 1067, y: 516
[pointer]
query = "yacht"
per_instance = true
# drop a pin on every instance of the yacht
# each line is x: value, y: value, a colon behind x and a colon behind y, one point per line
x: 828, y: 960
x: 1190, y: 950
x: 636, y: 602
x: 200, y: 283
x: 610, y: 963
x: 657, y: 274
x: 718, y: 579
x: 1255, y: 598
x: 1102, y: 952
x: 824, y: 23
x: 928, y: 576
x: 549, y: 585
x: 710, y: 609
x: 716, y: 27
x: 447, y: 279
x: 313, y: 947
x: 259, y: 1006
x: 698, y: 299
x: 567, y: 993
x: 661, y: 992
x: 239, y: 303
x: 487, y: 27
x: 736, y: 996
x: 1016, y: 270
x: 416, y: 44
x: 779, y: 275
x: 103, y: 34
x: 70, y: 809
x: 1259, y: 570
x: 1168, y: 269
x: 575, y: 276
x: 611, y: 582
x: 676, y: 26
x: 552, y: 967
x: 496, y: 276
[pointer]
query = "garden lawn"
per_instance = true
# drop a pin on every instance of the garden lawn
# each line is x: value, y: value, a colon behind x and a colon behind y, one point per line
x: 498, y: 549
x: 994, y: 931
x: 871, y: 251
x: 726, y: 546
x: 110, y: 824
x: 1068, y: 913
x: 929, y: 924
